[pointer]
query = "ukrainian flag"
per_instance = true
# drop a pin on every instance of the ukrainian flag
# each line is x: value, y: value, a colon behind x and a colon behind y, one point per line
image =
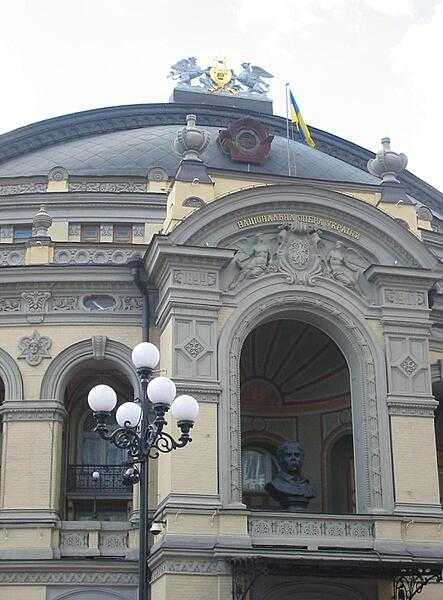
x: 298, y: 121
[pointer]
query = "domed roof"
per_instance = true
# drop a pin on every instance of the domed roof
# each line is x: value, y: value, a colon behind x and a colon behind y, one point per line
x: 133, y: 152
x: 129, y: 140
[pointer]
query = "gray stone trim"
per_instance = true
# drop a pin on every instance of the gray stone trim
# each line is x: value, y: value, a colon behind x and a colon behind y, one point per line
x: 411, y: 408
x: 11, y: 377
x: 60, y: 369
x: 418, y: 509
x: 28, y: 517
x: 336, y: 316
x: 32, y: 411
x: 191, y: 566
x: 12, y: 256
x: 201, y: 393
x: 22, y: 188
x: 69, y: 255
x: 37, y: 575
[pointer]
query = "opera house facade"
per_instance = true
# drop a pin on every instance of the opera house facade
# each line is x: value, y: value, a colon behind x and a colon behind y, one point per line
x: 295, y: 292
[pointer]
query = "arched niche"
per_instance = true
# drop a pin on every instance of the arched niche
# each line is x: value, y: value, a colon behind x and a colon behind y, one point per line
x: 338, y: 318
x: 11, y: 377
x: 68, y: 361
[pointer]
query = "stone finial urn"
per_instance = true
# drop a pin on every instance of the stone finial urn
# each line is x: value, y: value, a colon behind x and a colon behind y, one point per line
x: 41, y: 222
x: 387, y: 164
x: 191, y: 141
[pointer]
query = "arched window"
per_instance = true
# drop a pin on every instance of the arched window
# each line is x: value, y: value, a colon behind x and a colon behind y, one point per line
x: 341, y: 484
x: 88, y: 496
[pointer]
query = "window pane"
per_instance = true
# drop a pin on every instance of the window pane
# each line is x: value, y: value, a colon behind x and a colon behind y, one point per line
x: 90, y: 232
x: 257, y: 470
x: 123, y: 233
x: 22, y: 232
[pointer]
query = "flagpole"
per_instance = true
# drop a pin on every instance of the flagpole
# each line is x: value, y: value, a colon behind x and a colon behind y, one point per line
x: 287, y: 129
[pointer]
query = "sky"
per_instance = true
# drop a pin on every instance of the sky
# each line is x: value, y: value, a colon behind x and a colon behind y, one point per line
x: 360, y: 69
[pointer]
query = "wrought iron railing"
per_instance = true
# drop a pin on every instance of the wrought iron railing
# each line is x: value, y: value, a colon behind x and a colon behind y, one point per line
x: 81, y: 482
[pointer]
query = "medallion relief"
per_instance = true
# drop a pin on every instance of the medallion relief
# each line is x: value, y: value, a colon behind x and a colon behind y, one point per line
x: 300, y: 253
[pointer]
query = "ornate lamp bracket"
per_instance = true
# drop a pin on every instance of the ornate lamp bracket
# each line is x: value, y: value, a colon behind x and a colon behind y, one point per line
x: 410, y: 582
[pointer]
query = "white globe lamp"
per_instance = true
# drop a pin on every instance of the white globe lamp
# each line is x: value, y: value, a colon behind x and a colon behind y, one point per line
x: 145, y: 356
x: 161, y: 390
x: 128, y: 414
x: 185, y: 409
x: 102, y: 398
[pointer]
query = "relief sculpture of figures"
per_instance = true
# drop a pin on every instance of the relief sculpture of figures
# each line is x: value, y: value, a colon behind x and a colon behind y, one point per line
x: 255, y: 263
x: 299, y: 252
x: 291, y: 490
x: 344, y: 265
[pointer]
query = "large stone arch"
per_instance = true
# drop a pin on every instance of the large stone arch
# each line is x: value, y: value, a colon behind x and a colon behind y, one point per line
x: 11, y: 377
x: 338, y: 316
x: 62, y: 366
x: 389, y: 242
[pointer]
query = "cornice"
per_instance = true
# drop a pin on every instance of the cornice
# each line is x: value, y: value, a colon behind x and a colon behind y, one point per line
x: 32, y: 411
x: 106, y: 120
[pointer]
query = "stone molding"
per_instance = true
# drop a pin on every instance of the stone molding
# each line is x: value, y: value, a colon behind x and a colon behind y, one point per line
x: 32, y: 411
x: 323, y: 528
x: 11, y: 377
x: 108, y: 187
x: 405, y: 408
x: 12, y: 257
x: 73, y: 577
x: 191, y: 566
x: 67, y: 255
x: 59, y: 370
x: 36, y: 304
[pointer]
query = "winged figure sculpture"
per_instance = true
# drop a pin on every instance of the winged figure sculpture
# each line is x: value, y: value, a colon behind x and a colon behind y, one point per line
x: 185, y: 70
x: 252, y: 77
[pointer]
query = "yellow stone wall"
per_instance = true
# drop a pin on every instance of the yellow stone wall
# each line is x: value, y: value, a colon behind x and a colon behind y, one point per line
x: 22, y: 592
x: 415, y: 462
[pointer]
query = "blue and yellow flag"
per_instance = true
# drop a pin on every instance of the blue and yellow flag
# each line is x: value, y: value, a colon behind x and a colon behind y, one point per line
x: 298, y: 121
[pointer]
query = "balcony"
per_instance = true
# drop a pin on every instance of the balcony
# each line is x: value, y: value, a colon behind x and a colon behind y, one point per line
x: 88, y: 539
x: 81, y: 484
x: 311, y: 531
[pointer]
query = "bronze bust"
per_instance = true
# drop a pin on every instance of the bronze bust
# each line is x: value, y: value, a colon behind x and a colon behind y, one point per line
x: 292, y: 491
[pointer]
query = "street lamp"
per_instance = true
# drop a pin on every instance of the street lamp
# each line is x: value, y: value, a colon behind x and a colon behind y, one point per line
x: 141, y: 437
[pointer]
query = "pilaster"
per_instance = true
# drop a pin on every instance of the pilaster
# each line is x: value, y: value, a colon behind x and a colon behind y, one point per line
x: 403, y: 298
x: 187, y: 316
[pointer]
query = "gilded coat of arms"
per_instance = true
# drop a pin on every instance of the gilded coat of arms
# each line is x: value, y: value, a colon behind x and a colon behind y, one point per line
x: 220, y: 76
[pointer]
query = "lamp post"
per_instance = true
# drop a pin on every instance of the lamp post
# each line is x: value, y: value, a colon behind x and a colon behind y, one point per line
x: 141, y: 437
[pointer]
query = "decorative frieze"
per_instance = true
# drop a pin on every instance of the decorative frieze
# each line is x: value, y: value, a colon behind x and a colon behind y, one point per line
x: 95, y: 256
x: 36, y: 304
x: 34, y: 348
x: 138, y: 230
x: 12, y: 257
x: 107, y: 186
x: 192, y: 566
x: 23, y: 188
x: 68, y: 577
x: 299, y: 527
